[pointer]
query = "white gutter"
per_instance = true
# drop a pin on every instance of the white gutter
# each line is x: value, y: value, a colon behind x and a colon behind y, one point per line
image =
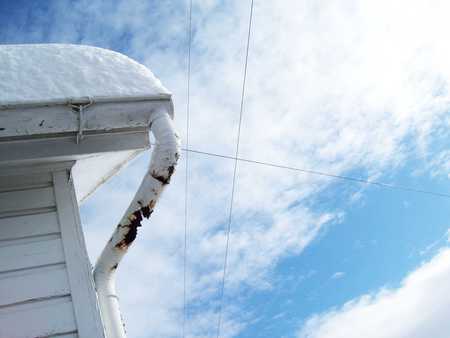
x: 162, y: 165
x: 86, y: 100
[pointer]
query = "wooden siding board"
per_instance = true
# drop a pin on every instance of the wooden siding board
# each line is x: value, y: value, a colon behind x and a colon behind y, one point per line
x: 41, y: 168
x: 26, y: 199
x: 44, y: 267
x: 17, y: 182
x: 35, y: 319
x: 32, y: 284
x: 28, y: 225
x: 31, y: 254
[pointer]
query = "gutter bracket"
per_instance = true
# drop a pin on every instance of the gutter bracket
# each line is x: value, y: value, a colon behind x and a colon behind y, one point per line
x: 79, y: 108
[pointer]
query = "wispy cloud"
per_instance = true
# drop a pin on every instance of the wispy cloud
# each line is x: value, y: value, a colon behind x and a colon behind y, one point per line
x: 435, y: 245
x: 338, y: 275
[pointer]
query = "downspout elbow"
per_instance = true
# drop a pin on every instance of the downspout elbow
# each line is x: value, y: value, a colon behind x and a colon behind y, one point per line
x: 162, y: 165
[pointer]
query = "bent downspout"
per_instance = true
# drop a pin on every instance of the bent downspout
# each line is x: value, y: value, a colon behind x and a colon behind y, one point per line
x: 162, y: 165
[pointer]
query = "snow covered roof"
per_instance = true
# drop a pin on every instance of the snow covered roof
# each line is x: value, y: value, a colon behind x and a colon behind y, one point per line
x: 52, y: 72
x: 39, y: 85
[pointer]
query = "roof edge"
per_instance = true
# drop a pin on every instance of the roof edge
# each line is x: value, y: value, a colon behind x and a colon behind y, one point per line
x: 83, y: 100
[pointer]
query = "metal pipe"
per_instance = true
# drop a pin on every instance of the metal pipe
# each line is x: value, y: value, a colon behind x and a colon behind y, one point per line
x: 162, y: 165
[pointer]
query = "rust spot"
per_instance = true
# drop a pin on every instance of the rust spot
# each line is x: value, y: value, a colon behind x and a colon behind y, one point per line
x: 151, y: 204
x: 162, y: 179
x: 171, y: 170
x: 165, y: 180
x: 146, y: 211
x: 135, y: 222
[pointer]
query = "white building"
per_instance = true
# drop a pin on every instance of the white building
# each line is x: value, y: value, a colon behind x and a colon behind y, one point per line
x: 70, y: 117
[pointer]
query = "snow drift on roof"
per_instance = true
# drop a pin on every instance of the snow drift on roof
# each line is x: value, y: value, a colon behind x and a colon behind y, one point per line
x: 47, y: 72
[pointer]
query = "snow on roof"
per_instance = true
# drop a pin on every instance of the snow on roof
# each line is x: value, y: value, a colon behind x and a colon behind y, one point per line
x: 59, y: 73
x: 48, y: 72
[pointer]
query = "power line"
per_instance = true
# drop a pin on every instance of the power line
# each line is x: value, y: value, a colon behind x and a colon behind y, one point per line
x: 186, y: 187
x: 219, y: 322
x: 321, y: 173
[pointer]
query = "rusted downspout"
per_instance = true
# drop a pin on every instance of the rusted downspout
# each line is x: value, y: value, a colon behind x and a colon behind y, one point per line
x: 162, y: 165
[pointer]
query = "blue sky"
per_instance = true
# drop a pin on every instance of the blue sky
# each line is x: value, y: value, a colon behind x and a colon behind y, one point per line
x: 359, y: 89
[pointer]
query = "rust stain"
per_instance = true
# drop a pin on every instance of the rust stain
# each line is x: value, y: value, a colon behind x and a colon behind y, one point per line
x: 146, y: 211
x: 171, y: 170
x: 152, y: 204
x: 163, y: 179
x: 135, y: 222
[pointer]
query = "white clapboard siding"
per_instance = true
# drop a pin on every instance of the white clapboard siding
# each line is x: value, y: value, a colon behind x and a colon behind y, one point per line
x: 26, y: 199
x: 28, y: 225
x: 22, y: 182
x: 35, y: 283
x: 46, y: 286
x: 38, y: 319
x: 31, y: 253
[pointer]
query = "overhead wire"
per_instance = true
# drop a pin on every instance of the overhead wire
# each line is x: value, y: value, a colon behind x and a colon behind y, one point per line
x: 233, y: 186
x: 186, y: 187
x: 321, y: 173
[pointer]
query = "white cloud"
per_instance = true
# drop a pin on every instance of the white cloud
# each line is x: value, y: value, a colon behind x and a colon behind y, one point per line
x: 417, y: 309
x: 435, y: 245
x: 338, y: 275
x: 440, y: 164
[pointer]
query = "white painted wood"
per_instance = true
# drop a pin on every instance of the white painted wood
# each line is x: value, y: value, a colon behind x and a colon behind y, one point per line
x: 31, y: 254
x: 24, y: 212
x: 28, y: 240
x: 100, y: 116
x: 26, y: 121
x: 41, y: 168
x: 32, y: 284
x: 53, y: 148
x: 26, y: 199
x: 64, y: 335
x: 28, y: 226
x: 38, y: 319
x: 79, y: 270
x: 20, y: 182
